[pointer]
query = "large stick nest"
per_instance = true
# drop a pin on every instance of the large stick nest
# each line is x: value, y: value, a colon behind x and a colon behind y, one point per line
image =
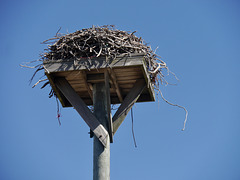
x: 103, y: 41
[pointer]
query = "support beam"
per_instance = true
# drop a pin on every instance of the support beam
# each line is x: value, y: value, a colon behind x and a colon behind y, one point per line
x: 98, y: 129
x: 101, y: 154
x: 114, y: 79
x: 108, y: 99
x: 86, y: 84
x: 127, y: 104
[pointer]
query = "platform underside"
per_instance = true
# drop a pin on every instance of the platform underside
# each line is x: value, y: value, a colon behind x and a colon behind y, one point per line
x: 123, y: 73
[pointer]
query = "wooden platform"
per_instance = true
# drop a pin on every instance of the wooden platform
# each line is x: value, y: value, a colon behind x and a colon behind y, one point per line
x: 123, y: 71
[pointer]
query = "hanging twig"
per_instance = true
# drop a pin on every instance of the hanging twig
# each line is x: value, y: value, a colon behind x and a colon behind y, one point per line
x: 186, y: 112
x: 135, y: 144
x: 45, y: 84
x: 39, y: 69
x: 58, y: 112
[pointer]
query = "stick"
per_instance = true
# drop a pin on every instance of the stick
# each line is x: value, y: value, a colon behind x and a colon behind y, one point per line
x: 39, y: 82
x: 186, y: 115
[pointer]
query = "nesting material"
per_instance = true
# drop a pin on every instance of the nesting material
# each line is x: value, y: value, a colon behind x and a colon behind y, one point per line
x: 104, y: 41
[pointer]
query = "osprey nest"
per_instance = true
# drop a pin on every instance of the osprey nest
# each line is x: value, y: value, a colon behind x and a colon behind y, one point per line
x: 103, y: 41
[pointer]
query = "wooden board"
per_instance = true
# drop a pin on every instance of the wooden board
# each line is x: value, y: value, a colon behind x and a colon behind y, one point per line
x: 127, y: 104
x: 75, y: 100
x: 124, y: 71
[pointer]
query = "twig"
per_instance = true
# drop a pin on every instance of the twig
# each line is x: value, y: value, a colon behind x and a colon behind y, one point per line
x: 31, y: 67
x: 39, y: 82
x: 58, y: 112
x: 135, y: 144
x: 45, y: 84
x: 99, y: 52
x: 39, y: 69
x: 174, y: 75
x: 47, y: 41
x: 58, y: 31
x: 186, y: 112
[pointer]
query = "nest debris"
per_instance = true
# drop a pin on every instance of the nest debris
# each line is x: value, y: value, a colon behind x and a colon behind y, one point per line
x: 103, y: 41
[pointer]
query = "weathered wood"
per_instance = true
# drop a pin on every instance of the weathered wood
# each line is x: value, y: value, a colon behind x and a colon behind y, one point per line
x: 128, y: 69
x: 95, y: 78
x: 101, y: 154
x: 107, y: 87
x: 122, y: 78
x: 148, y: 81
x: 86, y: 84
x: 127, y: 74
x: 127, y: 104
x: 94, y: 63
x: 98, y: 129
x: 114, y: 79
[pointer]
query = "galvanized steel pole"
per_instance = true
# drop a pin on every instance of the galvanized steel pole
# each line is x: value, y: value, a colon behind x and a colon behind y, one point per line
x: 101, y: 154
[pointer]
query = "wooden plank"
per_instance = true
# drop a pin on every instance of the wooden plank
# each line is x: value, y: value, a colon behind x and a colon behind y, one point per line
x: 76, y: 82
x: 127, y: 86
x: 127, y: 69
x: 99, y: 131
x: 123, y: 74
x: 127, y: 104
x: 95, y: 78
x: 75, y: 75
x: 130, y: 77
x: 81, y: 86
x: 83, y: 95
x: 126, y: 90
x: 96, y: 71
x: 68, y: 74
x: 87, y: 101
x: 62, y: 74
x: 110, y: 124
x: 126, y: 81
x: 86, y: 84
x: 80, y: 89
x: 113, y: 91
x: 94, y: 63
x: 126, y: 61
x: 114, y: 79
x: 149, y: 84
x: 132, y: 68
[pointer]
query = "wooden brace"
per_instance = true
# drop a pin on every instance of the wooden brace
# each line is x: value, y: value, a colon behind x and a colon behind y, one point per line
x: 98, y: 129
x: 127, y: 104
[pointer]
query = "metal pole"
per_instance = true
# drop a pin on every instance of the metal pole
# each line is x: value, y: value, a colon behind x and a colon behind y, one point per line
x: 101, y: 154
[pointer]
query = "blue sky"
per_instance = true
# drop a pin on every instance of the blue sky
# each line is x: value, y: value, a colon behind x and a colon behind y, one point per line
x: 199, y: 40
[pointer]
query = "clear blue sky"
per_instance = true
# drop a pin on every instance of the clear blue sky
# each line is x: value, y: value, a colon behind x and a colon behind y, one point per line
x: 199, y: 40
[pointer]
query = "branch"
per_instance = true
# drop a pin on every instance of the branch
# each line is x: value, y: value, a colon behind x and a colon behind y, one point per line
x: 186, y: 115
x: 39, y: 82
